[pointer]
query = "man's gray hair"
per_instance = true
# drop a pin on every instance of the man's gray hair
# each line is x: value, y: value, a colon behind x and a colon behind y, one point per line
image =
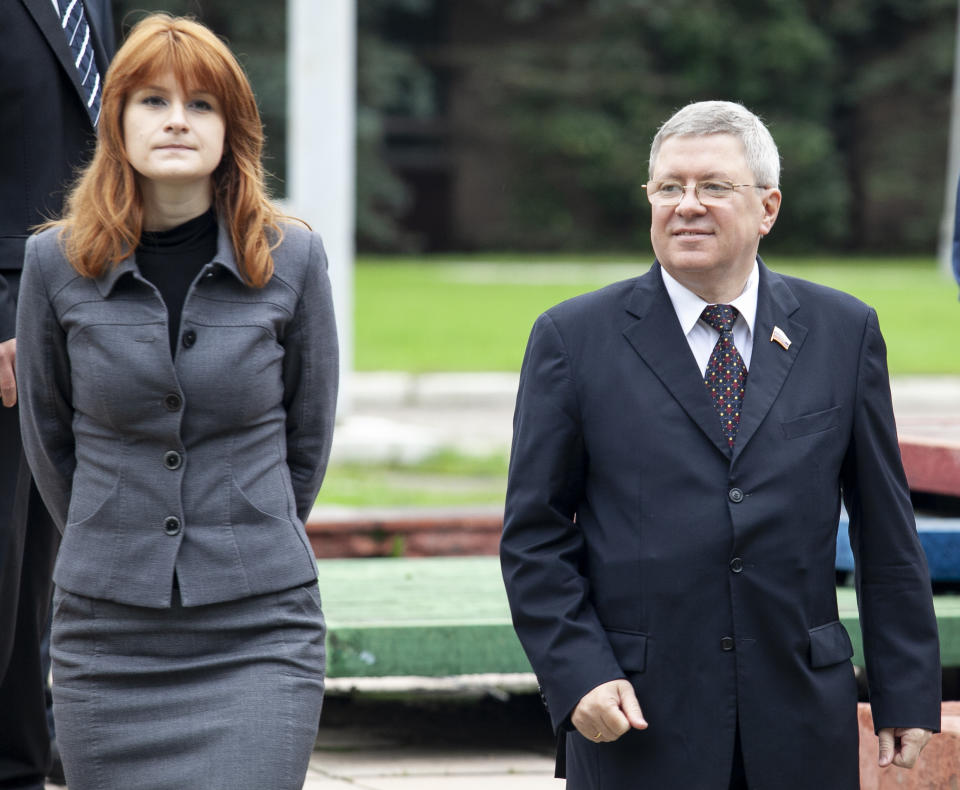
x: 724, y: 117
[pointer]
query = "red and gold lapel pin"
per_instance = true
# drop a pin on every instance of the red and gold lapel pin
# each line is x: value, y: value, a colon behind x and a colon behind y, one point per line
x: 779, y: 336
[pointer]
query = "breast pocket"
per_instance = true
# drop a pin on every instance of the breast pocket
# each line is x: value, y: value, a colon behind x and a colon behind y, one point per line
x: 815, y: 422
x: 119, y: 371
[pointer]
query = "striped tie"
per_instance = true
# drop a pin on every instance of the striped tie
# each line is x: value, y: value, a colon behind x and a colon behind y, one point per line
x: 77, y: 31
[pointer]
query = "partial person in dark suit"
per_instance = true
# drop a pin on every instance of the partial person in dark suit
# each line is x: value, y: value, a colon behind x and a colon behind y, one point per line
x: 682, y: 444
x: 47, y: 130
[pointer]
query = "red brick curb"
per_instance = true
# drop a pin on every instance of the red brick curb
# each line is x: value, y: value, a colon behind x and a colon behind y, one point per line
x: 932, y: 464
x: 405, y: 532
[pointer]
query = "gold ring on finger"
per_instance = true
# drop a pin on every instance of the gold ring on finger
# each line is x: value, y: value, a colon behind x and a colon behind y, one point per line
x: 598, y: 736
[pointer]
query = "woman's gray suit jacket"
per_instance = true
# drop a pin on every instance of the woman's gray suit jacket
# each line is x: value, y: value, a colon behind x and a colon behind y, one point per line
x: 206, y: 463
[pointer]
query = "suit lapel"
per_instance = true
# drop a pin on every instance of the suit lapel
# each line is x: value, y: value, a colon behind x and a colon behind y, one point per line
x: 45, y: 17
x: 770, y: 362
x: 657, y: 337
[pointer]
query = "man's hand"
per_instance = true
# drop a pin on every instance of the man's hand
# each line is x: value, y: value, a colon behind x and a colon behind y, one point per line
x: 608, y: 711
x: 8, y: 375
x: 902, y: 745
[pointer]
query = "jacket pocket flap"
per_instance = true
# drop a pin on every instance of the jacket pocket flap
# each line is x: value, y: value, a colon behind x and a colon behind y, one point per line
x: 630, y: 648
x: 829, y: 644
x: 811, y: 423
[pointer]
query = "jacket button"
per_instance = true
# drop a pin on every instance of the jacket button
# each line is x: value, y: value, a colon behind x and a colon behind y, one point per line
x: 736, y: 565
x: 173, y: 402
x: 736, y: 495
x: 726, y: 644
x: 171, y: 525
x: 172, y: 459
x: 189, y: 338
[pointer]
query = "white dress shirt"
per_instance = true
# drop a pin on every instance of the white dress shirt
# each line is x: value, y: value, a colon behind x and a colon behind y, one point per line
x: 700, y: 335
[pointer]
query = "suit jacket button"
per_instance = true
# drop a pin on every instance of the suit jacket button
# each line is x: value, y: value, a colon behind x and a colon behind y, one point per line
x: 172, y: 460
x: 736, y: 565
x: 171, y: 525
x: 736, y: 495
x: 189, y: 338
x: 726, y: 644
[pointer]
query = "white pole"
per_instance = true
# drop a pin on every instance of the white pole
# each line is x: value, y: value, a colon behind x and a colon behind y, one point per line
x: 945, y: 247
x: 321, y: 148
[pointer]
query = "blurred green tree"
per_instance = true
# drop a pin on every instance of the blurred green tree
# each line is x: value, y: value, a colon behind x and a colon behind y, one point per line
x: 856, y: 93
x: 525, y: 124
x: 391, y: 81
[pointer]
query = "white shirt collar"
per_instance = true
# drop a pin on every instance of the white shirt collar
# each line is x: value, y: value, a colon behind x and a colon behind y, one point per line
x: 688, y: 306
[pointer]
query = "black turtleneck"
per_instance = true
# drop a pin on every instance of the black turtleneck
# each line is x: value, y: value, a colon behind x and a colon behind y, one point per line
x: 171, y: 259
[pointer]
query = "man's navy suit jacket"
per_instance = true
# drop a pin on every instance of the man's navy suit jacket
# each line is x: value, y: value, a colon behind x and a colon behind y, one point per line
x: 637, y: 545
x: 44, y: 124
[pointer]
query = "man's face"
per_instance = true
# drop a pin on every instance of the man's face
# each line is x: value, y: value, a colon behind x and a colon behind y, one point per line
x: 710, y: 249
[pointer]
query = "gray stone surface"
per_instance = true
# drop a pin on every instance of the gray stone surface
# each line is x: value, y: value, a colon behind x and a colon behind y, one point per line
x: 406, y: 417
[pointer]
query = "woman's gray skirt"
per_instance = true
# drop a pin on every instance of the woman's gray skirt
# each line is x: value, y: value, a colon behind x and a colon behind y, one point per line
x: 205, y: 697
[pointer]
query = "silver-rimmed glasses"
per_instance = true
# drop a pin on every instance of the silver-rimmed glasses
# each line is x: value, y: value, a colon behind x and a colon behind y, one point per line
x: 709, y: 193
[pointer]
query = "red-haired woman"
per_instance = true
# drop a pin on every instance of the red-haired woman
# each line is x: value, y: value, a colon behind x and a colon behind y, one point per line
x: 178, y: 375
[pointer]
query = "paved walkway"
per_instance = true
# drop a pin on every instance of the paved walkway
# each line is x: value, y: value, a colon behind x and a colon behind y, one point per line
x: 404, y: 417
x: 429, y: 768
x: 452, y: 736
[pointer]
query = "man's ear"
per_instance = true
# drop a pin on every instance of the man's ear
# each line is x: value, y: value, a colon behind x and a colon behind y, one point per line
x: 771, y: 208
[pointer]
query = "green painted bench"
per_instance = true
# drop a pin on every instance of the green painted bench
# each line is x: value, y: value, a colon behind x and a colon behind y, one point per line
x: 437, y: 616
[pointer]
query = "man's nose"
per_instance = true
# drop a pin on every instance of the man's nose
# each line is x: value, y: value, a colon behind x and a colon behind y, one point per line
x: 689, y: 202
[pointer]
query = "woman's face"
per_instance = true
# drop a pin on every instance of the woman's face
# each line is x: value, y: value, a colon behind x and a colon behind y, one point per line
x: 173, y: 137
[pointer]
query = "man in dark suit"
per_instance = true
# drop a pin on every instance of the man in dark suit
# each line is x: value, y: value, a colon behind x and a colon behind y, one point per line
x: 49, y: 106
x: 682, y: 442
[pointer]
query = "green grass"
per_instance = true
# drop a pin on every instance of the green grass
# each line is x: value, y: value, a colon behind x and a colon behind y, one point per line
x: 446, y: 478
x: 470, y: 313
x: 917, y: 306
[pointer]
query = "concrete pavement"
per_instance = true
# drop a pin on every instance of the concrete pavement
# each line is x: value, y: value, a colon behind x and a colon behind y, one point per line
x: 429, y: 768
x: 405, y: 417
x: 450, y: 734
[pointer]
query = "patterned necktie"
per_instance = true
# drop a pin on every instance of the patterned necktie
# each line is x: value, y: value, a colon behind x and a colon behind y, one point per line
x: 75, y: 28
x: 726, y: 375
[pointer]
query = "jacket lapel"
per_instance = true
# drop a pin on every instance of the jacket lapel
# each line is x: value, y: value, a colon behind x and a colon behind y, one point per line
x: 657, y: 337
x: 770, y: 362
x: 44, y: 15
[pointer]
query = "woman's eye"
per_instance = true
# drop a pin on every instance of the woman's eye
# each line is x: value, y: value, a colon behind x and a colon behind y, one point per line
x: 153, y: 101
x: 201, y: 104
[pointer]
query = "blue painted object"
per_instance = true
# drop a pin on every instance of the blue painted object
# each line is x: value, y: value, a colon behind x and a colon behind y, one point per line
x: 940, y: 538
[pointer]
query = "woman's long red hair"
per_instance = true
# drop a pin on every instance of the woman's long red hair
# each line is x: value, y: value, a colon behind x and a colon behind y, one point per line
x: 104, y: 212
